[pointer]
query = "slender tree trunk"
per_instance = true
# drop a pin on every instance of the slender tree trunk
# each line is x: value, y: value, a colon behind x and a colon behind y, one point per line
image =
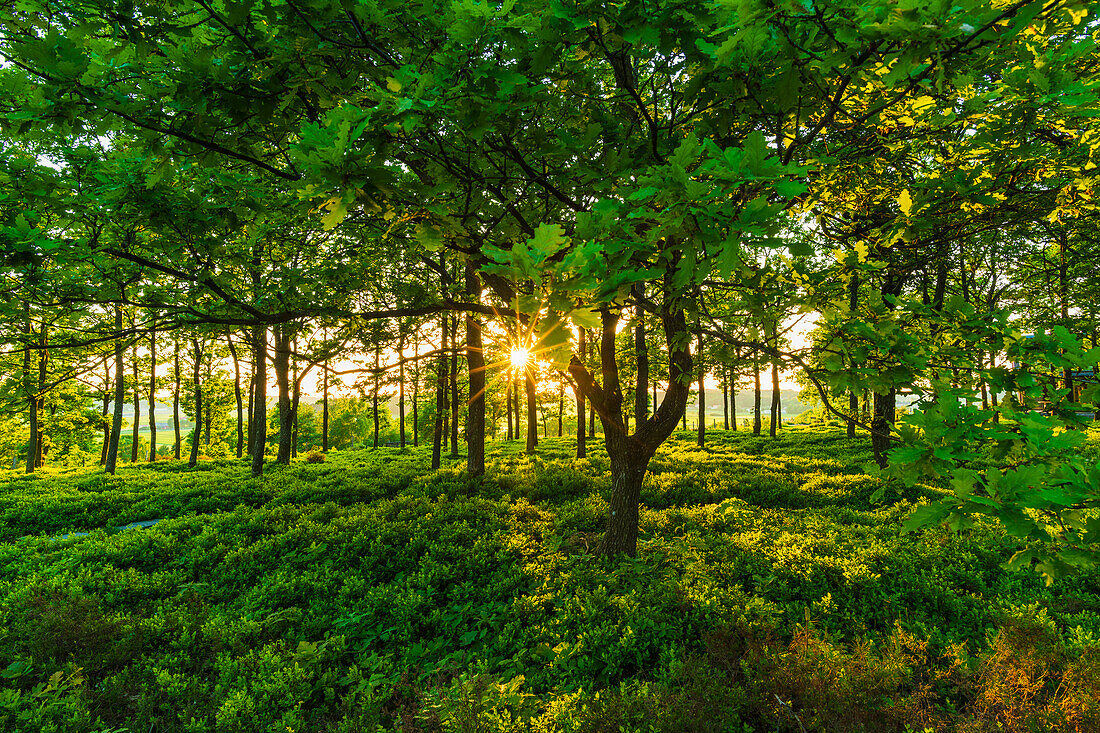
x: 416, y: 392
x: 456, y: 406
x: 324, y: 410
x: 733, y: 402
x: 32, y: 439
x: 701, y: 434
x: 582, y: 448
x: 237, y: 396
x: 401, y: 385
x: 561, y: 409
x: 197, y: 384
x: 516, y: 402
x: 641, y: 357
x: 258, y: 421
x: 853, y: 305
x: 475, y: 364
x: 249, y: 433
x: 294, y: 412
x: 153, y: 392
x: 40, y: 398
x: 993, y: 393
x: 591, y: 410
x: 532, y: 411
x: 106, y: 406
x: 29, y: 391
x: 853, y: 409
x: 120, y: 395
x: 176, y: 450
x: 777, y: 405
x: 725, y: 398
x: 440, y: 395
x: 374, y: 392
x: 882, y: 422
x: 282, y: 380
x: 756, y: 393
x: 508, y: 405
x: 137, y: 408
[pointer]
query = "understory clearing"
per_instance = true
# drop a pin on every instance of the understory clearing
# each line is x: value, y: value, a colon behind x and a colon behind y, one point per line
x: 367, y: 593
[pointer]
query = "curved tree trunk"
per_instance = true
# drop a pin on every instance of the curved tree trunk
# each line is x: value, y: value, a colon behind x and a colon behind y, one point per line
x: 176, y: 400
x: 630, y: 454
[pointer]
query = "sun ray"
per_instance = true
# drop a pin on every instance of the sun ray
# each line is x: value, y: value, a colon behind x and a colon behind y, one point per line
x: 519, y: 358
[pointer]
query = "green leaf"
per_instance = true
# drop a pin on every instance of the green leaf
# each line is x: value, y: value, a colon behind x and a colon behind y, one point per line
x: 926, y: 515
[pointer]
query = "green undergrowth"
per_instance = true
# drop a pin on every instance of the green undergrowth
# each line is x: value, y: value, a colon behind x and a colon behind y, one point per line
x: 368, y: 593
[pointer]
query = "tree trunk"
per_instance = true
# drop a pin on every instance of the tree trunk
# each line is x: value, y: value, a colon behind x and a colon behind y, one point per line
x: 257, y: 423
x: 881, y: 424
x: 777, y: 406
x: 701, y: 434
x: 30, y: 392
x: 582, y: 448
x: 853, y: 408
x: 106, y: 405
x: 238, y: 397
x: 508, y: 405
x: 532, y: 411
x: 153, y: 392
x: 628, y: 471
x: 733, y: 399
x: 282, y: 380
x: 248, y: 435
x: 455, y: 408
x: 176, y: 399
x: 324, y: 410
x: 137, y: 408
x: 630, y: 454
x: 561, y: 409
x: 197, y: 384
x: 120, y: 395
x: 401, y: 385
x: 374, y: 392
x: 756, y: 393
x: 475, y: 364
x: 725, y: 398
x: 297, y: 388
x: 440, y: 395
x: 641, y: 357
x: 416, y: 392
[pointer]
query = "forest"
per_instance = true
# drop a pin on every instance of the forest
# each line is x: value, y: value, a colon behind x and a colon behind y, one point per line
x: 549, y: 365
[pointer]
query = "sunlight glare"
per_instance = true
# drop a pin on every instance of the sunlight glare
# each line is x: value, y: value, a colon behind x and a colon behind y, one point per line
x: 519, y: 357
